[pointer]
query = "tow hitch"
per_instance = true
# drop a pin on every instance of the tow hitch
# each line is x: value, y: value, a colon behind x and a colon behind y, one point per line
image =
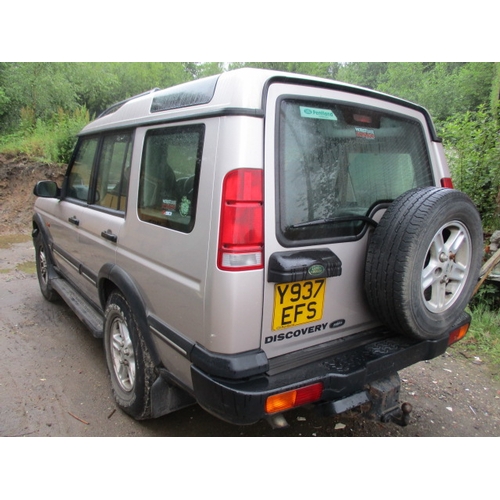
x: 384, y: 398
x: 400, y: 416
x: 381, y: 400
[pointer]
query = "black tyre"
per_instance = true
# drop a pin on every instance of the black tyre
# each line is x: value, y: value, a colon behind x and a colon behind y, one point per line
x: 129, y: 363
x: 44, y: 269
x: 423, y: 261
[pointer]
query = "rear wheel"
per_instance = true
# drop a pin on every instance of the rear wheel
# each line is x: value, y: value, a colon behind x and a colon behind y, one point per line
x: 129, y: 363
x: 423, y: 261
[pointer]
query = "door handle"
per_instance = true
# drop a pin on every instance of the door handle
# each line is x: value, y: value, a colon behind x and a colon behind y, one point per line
x: 74, y: 221
x: 108, y: 235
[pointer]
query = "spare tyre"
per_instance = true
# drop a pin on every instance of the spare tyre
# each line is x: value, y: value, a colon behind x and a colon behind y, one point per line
x: 423, y: 261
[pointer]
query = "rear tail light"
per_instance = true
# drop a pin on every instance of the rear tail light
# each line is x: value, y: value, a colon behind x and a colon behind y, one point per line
x: 241, y: 240
x: 446, y: 182
x: 291, y: 399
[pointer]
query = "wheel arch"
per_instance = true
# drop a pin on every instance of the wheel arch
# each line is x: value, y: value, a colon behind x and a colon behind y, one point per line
x: 112, y: 277
x: 39, y: 230
x: 38, y: 227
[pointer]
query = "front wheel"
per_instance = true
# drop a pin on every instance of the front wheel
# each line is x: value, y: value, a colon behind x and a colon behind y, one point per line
x: 129, y: 363
x: 43, y: 269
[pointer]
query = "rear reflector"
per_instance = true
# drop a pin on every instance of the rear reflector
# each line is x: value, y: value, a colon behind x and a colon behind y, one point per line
x: 458, y: 334
x: 241, y: 239
x: 292, y: 399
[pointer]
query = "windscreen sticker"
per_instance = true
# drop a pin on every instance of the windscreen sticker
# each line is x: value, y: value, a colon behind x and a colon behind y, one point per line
x: 318, y: 113
x: 365, y: 133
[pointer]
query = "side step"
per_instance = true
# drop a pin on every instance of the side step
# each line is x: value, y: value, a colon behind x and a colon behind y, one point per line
x: 89, y: 316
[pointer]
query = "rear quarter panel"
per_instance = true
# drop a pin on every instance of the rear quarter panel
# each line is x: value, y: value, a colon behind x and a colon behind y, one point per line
x: 233, y: 300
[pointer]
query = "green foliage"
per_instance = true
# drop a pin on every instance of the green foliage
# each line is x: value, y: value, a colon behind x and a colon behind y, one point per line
x: 495, y: 88
x: 443, y: 88
x: 487, y: 297
x: 484, y: 334
x: 135, y: 78
x: 45, y: 87
x: 365, y: 74
x: 65, y: 127
x: 41, y: 87
x: 201, y: 70
x: 4, y: 101
x: 473, y: 152
x: 52, y: 140
x: 321, y: 69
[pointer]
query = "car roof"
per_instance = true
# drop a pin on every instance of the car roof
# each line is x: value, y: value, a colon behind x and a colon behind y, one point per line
x: 240, y: 91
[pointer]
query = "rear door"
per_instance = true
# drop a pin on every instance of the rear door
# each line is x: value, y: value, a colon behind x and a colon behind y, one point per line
x: 163, y: 246
x: 333, y: 162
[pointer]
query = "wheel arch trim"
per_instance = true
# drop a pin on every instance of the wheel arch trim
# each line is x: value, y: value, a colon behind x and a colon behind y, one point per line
x: 40, y: 230
x: 123, y: 282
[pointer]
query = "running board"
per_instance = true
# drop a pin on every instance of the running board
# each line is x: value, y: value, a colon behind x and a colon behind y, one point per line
x: 85, y: 312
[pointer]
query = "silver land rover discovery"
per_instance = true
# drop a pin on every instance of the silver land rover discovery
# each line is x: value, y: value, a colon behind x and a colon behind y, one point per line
x: 257, y: 241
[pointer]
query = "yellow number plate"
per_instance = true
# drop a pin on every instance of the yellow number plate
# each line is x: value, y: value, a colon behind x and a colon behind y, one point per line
x: 298, y: 303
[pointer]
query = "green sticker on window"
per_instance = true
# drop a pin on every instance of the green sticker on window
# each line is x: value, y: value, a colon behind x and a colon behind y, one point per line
x: 318, y: 113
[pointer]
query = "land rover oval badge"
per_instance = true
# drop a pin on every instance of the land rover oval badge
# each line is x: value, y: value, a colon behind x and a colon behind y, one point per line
x: 316, y: 270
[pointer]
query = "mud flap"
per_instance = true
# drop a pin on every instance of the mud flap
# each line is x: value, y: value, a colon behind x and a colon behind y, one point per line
x: 166, y: 398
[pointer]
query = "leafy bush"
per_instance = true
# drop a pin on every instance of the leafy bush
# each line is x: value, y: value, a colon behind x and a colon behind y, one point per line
x: 52, y: 140
x: 472, y: 145
x: 487, y: 297
x: 66, y: 127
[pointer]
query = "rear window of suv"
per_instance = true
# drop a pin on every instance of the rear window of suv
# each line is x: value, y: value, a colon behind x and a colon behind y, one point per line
x: 336, y: 162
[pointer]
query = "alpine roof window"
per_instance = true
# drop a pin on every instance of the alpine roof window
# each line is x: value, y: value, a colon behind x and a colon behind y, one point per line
x: 191, y: 94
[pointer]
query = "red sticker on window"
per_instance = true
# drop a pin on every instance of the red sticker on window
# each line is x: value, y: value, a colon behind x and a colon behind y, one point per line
x: 365, y: 133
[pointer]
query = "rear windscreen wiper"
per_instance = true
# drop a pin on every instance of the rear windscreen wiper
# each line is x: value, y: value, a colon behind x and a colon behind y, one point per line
x: 333, y: 220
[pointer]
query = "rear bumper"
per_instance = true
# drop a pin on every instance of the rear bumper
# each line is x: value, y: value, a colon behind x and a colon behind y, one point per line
x: 345, y: 374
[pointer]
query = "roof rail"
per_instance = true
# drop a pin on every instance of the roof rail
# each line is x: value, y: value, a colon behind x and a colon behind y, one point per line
x: 118, y: 105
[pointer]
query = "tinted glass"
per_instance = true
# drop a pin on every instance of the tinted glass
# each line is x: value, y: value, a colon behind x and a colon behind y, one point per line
x: 114, y: 171
x: 169, y: 176
x: 81, y: 170
x: 337, y: 162
x: 192, y: 93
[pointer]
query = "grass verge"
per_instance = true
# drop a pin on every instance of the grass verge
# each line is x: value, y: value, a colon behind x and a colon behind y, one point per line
x: 483, y: 338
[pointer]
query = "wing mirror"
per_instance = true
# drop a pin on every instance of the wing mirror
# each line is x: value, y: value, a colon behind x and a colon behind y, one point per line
x: 47, y: 189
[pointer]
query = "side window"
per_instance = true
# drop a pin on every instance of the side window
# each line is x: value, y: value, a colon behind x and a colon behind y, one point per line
x: 81, y: 170
x: 169, y: 176
x: 113, y: 171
